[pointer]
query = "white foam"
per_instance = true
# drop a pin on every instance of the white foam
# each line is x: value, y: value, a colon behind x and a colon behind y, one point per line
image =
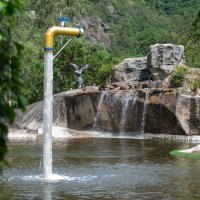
x: 193, y: 139
x: 52, y: 179
x: 20, y: 135
x: 57, y: 132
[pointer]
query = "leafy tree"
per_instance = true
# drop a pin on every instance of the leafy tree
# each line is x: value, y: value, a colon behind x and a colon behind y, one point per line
x: 10, y: 75
x: 195, y: 30
x: 81, y: 52
x: 191, y: 41
x: 134, y: 26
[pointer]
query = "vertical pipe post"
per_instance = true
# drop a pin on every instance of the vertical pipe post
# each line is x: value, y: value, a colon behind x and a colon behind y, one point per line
x: 48, y: 92
x: 47, y: 114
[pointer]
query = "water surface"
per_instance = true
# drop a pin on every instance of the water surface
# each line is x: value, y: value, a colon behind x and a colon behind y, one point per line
x: 102, y: 168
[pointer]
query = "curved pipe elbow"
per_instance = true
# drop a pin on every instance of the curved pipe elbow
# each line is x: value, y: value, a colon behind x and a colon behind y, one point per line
x: 57, y: 30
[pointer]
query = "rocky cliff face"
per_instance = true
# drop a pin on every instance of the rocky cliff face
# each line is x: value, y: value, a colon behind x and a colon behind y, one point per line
x: 148, y: 110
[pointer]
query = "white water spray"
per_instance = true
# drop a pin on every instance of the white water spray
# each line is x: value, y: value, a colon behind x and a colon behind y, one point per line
x: 103, y: 94
x: 47, y: 115
x: 144, y: 111
x: 126, y: 101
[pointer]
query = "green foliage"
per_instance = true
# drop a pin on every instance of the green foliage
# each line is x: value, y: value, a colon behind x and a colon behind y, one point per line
x: 195, y: 30
x: 10, y: 73
x: 134, y: 26
x: 191, y: 41
x: 81, y: 52
x: 195, y: 84
x: 178, y: 75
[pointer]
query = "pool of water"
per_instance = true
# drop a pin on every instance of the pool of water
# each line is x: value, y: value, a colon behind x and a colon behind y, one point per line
x: 101, y: 168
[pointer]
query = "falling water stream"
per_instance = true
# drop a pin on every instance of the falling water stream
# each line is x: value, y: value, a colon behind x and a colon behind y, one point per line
x: 99, y: 107
x: 125, y: 105
x: 47, y: 115
x: 144, y: 111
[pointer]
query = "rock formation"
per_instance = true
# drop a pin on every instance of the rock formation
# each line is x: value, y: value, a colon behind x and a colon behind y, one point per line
x: 167, y: 112
x: 131, y: 103
x: 74, y: 109
x: 157, y: 66
x: 163, y: 58
x: 131, y: 69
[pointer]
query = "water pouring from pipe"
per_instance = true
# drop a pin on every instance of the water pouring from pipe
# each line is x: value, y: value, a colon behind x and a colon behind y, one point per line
x: 48, y: 92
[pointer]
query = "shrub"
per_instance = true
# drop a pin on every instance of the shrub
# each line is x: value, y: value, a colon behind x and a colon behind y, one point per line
x: 195, y: 84
x: 179, y: 74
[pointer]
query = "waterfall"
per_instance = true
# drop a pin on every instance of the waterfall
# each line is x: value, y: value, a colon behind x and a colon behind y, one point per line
x: 125, y: 105
x: 144, y: 111
x: 100, y: 104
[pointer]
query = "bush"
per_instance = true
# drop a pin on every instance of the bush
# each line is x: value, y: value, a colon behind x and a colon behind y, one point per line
x: 179, y: 74
x: 195, y: 85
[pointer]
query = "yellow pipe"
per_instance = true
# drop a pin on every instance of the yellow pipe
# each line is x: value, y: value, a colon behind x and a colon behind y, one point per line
x: 57, y: 30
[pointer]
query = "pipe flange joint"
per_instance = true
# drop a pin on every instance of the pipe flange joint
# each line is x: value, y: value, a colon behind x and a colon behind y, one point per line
x: 79, y: 27
x: 48, y: 49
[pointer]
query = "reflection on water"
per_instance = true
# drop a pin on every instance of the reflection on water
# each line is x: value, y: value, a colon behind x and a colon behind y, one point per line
x: 101, y: 168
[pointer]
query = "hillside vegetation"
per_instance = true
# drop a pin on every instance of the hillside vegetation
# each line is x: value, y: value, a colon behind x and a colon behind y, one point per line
x: 134, y: 25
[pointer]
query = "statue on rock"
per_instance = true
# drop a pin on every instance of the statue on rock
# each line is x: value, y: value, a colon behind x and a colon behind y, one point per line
x: 78, y: 72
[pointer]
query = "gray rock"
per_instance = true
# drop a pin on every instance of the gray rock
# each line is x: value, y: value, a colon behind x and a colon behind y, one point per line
x: 131, y: 69
x: 163, y: 58
x: 75, y: 109
x: 167, y: 111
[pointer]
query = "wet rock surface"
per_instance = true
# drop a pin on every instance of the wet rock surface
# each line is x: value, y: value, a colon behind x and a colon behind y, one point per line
x: 167, y: 111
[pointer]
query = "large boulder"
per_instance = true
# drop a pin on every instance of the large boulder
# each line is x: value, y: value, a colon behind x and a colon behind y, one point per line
x: 131, y: 69
x: 163, y: 58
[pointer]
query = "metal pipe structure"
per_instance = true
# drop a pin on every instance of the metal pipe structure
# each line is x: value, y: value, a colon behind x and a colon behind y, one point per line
x: 48, y: 92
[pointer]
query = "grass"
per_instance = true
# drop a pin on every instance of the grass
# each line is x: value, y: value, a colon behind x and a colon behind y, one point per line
x: 178, y: 153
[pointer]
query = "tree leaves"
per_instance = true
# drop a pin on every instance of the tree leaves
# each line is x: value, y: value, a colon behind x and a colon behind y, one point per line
x: 10, y: 74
